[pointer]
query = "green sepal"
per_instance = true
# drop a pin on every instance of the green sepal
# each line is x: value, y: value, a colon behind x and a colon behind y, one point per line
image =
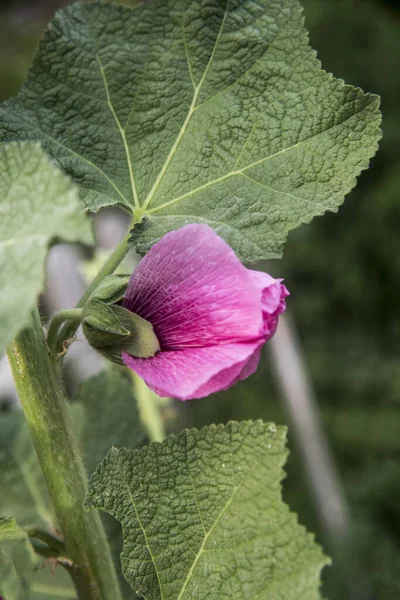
x: 112, y: 329
x: 100, y: 325
x: 112, y: 288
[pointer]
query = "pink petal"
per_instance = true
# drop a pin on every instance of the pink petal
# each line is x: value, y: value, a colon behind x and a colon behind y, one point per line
x: 195, y: 291
x: 273, y: 294
x: 196, y: 372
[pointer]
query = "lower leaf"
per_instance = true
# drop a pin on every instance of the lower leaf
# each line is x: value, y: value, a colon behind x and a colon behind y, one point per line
x: 203, y: 518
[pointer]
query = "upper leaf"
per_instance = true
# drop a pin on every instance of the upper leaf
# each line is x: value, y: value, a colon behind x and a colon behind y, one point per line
x: 38, y: 204
x: 202, y: 517
x: 196, y: 111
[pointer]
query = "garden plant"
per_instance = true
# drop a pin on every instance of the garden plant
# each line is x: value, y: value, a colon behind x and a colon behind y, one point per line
x: 212, y: 124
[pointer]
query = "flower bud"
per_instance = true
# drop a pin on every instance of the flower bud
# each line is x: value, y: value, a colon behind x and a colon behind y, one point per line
x: 112, y: 329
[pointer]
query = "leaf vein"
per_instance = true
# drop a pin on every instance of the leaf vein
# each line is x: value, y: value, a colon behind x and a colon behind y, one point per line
x: 186, y: 122
x: 250, y: 166
x: 110, y: 181
x: 153, y: 559
x: 202, y: 547
x: 122, y: 133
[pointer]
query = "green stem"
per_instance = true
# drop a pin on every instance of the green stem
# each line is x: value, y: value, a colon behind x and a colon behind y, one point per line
x: 69, y: 329
x: 148, y: 409
x: 74, y: 315
x: 42, y: 399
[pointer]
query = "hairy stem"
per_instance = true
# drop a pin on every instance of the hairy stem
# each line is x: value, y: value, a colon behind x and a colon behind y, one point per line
x: 42, y: 399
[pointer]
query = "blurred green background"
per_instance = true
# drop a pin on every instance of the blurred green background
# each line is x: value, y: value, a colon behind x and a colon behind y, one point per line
x: 343, y: 271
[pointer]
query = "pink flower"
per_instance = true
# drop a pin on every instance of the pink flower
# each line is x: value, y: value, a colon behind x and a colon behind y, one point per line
x: 210, y: 314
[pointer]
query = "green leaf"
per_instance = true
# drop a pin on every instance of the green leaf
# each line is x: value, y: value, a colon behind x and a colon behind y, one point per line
x: 196, y: 111
x: 202, y: 517
x: 18, y: 562
x: 10, y: 532
x: 38, y: 204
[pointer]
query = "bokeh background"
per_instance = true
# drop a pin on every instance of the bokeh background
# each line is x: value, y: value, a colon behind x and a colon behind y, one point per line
x: 343, y: 271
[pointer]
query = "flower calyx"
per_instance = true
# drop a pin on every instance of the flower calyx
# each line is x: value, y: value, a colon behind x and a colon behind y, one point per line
x: 112, y: 329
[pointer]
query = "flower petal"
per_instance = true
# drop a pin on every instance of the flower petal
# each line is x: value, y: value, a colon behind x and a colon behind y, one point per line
x: 195, y: 291
x: 196, y: 372
x: 273, y: 294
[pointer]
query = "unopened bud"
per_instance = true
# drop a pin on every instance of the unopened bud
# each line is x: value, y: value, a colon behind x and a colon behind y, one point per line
x: 112, y: 329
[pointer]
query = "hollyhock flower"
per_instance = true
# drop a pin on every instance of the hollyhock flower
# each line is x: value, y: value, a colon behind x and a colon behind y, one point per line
x: 210, y: 313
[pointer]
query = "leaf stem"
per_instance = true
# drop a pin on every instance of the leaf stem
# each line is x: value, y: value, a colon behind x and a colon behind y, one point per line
x: 54, y: 543
x: 42, y: 399
x: 148, y: 409
x: 74, y: 315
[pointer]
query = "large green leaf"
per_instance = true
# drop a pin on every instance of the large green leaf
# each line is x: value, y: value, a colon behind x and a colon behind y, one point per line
x: 38, y: 204
x: 203, y: 518
x: 211, y: 111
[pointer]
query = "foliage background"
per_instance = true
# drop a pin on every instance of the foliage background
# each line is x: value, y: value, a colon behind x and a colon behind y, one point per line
x: 344, y: 273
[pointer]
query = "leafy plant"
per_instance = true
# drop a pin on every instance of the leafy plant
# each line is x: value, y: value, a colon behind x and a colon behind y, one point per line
x: 182, y: 112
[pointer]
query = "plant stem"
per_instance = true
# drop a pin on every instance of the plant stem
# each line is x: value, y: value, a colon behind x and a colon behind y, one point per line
x: 148, y: 409
x: 119, y: 252
x: 40, y: 391
x: 74, y: 315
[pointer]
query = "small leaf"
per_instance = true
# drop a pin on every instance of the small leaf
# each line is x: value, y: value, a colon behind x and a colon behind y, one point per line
x: 38, y: 204
x: 202, y: 517
x: 10, y: 532
x: 196, y: 111
x: 18, y: 562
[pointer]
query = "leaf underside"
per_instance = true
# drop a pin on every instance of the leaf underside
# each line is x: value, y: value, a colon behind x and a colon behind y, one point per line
x: 203, y: 518
x: 196, y: 111
x: 38, y: 204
